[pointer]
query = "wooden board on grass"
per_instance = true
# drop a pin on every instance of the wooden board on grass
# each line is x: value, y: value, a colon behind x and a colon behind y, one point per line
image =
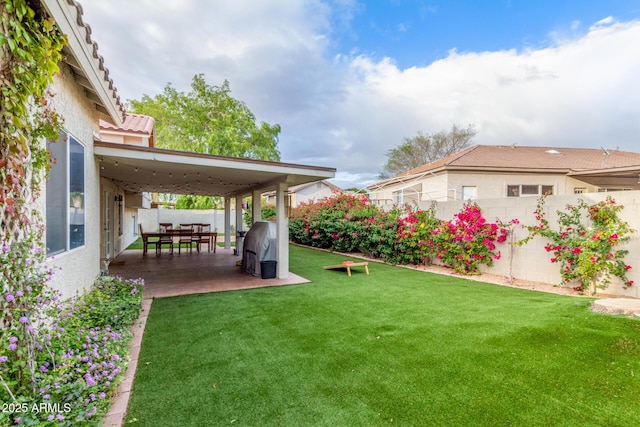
x: 348, y: 265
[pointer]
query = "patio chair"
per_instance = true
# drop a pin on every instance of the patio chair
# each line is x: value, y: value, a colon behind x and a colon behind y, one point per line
x: 146, y: 241
x: 165, y: 239
x: 199, y: 238
x: 185, y: 236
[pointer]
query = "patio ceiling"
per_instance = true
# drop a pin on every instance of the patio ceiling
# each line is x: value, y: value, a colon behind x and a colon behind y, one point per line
x: 144, y: 169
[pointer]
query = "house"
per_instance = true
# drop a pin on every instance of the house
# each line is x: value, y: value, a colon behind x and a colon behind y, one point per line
x: 106, y: 160
x: 497, y: 171
x: 305, y: 193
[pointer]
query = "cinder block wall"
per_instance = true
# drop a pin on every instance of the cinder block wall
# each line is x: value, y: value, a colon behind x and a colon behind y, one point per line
x: 531, y: 261
x: 151, y: 218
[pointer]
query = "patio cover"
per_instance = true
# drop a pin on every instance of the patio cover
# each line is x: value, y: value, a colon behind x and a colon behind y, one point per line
x: 138, y: 169
x: 147, y: 169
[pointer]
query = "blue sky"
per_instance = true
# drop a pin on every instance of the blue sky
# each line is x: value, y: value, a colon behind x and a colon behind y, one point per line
x: 416, y: 33
x: 348, y: 80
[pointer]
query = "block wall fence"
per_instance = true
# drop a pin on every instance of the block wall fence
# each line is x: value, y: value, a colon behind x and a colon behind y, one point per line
x: 531, y: 261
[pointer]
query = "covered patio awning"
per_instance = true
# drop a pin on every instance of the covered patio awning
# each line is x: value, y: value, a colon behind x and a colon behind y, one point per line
x: 138, y: 169
x: 144, y: 169
x: 619, y: 178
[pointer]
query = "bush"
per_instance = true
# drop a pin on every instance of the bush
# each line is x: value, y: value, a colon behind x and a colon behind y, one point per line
x: 80, y: 356
x: 349, y: 223
x: 585, y: 243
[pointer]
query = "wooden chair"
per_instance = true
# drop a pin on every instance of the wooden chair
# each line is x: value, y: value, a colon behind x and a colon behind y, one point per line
x: 185, y: 236
x: 167, y: 239
x: 199, y: 239
x: 146, y: 241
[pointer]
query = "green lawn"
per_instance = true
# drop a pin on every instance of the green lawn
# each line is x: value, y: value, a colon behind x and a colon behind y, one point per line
x: 396, y: 347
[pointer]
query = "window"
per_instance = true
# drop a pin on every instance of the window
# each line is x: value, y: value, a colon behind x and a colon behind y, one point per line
x: 529, y: 190
x: 579, y: 190
x: 469, y: 192
x: 398, y: 196
x: 65, y: 195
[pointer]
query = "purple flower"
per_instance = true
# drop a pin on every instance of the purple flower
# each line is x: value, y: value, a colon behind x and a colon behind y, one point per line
x: 9, y: 297
x: 12, y: 347
x: 5, y: 248
x: 3, y: 359
x: 13, y: 340
x: 89, y: 379
x: 24, y: 319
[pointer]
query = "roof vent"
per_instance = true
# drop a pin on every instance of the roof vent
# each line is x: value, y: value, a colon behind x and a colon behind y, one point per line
x: 554, y: 152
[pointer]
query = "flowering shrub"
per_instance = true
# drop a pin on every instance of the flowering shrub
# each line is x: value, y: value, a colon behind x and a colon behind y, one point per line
x: 468, y: 240
x: 348, y: 223
x: 415, y: 242
x: 78, y: 354
x: 584, y: 245
x: 337, y: 222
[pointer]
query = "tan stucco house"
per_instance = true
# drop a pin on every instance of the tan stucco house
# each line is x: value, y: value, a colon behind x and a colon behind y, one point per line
x: 497, y: 171
x: 306, y: 193
x: 106, y: 160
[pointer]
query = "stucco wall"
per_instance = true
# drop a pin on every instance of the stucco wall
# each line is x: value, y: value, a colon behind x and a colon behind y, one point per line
x: 313, y: 192
x: 448, y: 185
x: 532, y: 261
x: 77, y: 269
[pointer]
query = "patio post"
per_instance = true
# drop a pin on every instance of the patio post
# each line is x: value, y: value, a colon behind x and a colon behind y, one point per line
x: 227, y: 223
x: 239, y: 220
x: 256, y: 206
x: 282, y: 231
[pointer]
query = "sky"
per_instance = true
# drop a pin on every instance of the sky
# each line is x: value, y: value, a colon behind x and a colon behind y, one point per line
x: 349, y: 80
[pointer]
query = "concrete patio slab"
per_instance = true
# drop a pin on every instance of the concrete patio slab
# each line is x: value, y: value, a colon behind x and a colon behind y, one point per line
x: 626, y: 306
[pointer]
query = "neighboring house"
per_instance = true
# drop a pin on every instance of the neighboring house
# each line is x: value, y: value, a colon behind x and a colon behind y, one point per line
x: 106, y: 160
x: 305, y: 193
x: 497, y: 171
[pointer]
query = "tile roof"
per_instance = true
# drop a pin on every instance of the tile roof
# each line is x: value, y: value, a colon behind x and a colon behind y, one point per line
x: 528, y: 157
x: 99, y: 60
x: 514, y: 157
x: 133, y: 123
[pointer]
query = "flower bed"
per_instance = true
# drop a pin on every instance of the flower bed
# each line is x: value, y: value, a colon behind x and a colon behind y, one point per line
x: 63, y: 368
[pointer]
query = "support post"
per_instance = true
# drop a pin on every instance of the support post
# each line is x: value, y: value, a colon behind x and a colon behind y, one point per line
x: 227, y: 223
x: 282, y: 231
x: 256, y: 206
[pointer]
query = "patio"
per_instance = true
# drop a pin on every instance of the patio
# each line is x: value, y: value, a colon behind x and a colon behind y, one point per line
x: 169, y: 275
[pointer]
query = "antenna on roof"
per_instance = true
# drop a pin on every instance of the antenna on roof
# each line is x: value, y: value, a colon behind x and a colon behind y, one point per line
x: 605, y: 154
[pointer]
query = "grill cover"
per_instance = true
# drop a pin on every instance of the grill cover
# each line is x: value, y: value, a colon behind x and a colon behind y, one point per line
x: 259, y: 245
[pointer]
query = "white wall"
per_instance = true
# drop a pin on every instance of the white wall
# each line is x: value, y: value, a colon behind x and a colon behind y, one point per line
x: 77, y: 269
x: 150, y: 218
x: 532, y: 261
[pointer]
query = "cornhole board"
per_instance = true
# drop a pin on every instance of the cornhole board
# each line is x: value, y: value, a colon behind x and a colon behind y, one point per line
x: 348, y: 265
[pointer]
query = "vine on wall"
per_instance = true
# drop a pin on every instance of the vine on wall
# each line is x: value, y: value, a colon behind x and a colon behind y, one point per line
x: 30, y: 50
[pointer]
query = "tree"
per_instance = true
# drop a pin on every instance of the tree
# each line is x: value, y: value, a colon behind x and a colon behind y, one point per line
x: 187, y: 201
x: 422, y: 149
x: 208, y: 120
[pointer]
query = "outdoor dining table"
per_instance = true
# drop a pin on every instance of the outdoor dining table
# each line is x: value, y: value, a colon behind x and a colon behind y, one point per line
x: 212, y: 235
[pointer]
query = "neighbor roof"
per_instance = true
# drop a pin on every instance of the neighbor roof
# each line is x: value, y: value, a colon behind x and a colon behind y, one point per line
x: 526, y: 158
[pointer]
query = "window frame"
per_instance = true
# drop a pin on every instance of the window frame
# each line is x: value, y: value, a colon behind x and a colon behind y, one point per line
x: 66, y: 215
x: 464, y: 194
x: 518, y: 190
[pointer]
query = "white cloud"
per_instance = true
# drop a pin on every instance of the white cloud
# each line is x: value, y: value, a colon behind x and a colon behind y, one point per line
x: 348, y: 110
